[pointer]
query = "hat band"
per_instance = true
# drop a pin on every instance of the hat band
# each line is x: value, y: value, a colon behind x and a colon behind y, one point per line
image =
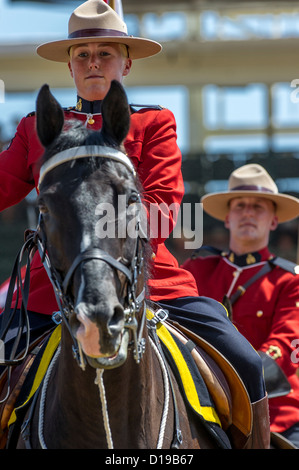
x: 84, y: 33
x: 252, y: 188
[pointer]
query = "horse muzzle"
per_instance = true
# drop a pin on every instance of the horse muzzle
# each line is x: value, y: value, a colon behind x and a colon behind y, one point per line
x: 101, y: 335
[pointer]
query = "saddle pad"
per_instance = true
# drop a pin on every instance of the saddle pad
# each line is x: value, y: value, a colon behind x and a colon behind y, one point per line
x: 34, y: 380
x: 186, y: 371
x: 192, y: 385
x: 212, y: 375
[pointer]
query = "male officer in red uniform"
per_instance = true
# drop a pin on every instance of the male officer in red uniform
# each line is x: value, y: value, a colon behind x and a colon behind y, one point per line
x: 97, y: 51
x: 261, y: 289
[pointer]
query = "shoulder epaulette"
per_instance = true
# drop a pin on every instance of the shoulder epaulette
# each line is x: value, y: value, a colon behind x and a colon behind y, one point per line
x: 285, y: 264
x: 145, y: 106
x: 70, y: 108
x: 210, y: 249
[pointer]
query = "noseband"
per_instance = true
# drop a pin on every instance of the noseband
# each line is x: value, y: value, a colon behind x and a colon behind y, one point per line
x: 131, y: 273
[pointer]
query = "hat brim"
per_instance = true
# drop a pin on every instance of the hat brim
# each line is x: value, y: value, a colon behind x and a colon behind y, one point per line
x: 217, y: 204
x: 58, y: 51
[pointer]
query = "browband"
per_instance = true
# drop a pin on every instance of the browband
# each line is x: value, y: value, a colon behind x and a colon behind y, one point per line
x: 82, y: 152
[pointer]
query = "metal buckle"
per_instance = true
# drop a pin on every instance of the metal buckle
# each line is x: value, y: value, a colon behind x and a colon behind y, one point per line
x: 138, y: 353
x: 159, y: 317
x: 57, y: 317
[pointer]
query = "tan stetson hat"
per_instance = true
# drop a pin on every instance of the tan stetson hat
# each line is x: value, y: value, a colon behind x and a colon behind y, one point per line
x: 95, y: 21
x: 251, y: 180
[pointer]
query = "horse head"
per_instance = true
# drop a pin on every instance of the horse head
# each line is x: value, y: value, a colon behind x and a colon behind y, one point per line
x: 89, y: 238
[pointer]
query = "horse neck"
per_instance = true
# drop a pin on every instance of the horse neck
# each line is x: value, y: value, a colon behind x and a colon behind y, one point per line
x: 134, y: 404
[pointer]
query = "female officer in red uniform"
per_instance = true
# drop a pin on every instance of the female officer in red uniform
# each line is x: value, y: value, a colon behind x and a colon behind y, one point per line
x: 97, y: 51
x: 263, y: 289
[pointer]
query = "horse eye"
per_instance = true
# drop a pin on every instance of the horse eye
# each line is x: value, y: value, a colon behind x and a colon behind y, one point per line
x: 43, y: 209
x: 134, y: 197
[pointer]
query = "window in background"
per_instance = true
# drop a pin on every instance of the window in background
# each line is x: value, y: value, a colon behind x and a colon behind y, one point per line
x: 236, y: 26
x: 165, y: 27
x: 254, y: 143
x: 285, y: 105
x: 235, y: 107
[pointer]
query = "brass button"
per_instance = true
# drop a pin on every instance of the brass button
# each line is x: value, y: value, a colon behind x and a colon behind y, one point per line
x: 259, y: 313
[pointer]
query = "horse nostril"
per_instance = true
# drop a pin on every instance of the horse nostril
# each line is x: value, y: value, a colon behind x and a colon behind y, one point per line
x: 117, y: 319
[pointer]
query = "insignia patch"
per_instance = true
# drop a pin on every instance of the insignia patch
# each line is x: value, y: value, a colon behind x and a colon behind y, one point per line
x: 250, y: 259
x: 274, y: 352
x: 79, y: 105
x: 231, y: 257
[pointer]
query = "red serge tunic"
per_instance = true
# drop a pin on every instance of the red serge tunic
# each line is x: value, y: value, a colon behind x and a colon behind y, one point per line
x: 151, y: 145
x: 267, y: 314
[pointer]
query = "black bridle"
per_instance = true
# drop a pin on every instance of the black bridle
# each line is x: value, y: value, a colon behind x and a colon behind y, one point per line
x: 37, y: 240
x: 134, y: 302
x: 61, y: 285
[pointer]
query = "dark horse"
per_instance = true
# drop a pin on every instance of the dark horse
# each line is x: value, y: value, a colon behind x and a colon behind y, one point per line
x: 117, y: 398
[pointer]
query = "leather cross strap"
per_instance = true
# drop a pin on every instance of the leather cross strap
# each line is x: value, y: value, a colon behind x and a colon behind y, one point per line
x: 242, y: 289
x: 268, y: 266
x: 229, y: 301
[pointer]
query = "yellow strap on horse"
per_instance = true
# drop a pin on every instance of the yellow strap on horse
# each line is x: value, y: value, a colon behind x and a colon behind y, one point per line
x: 50, y: 349
x: 207, y: 412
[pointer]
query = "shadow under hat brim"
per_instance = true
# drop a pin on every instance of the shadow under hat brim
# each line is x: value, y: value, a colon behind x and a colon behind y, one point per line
x: 58, y: 51
x: 217, y: 204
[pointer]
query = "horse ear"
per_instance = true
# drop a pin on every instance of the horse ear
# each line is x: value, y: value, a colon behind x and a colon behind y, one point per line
x: 49, y: 116
x: 116, y: 115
